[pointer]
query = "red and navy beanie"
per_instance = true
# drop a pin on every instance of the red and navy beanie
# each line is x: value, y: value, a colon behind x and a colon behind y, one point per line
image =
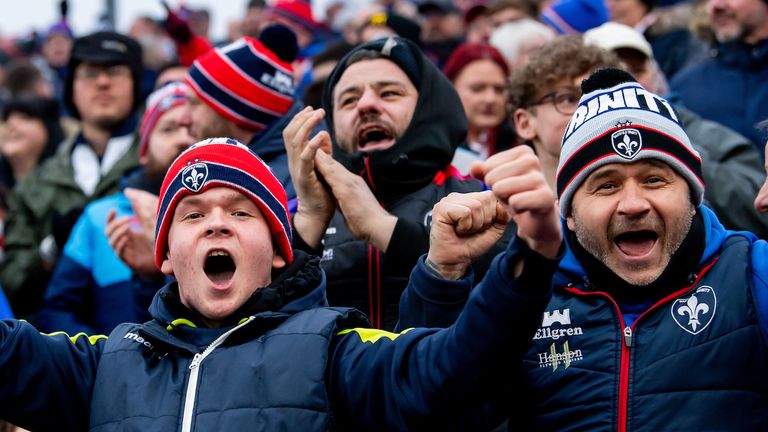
x: 223, y: 162
x: 618, y: 121
x: 159, y: 102
x: 245, y: 82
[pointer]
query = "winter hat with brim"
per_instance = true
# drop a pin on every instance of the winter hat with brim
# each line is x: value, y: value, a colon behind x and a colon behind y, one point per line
x: 104, y: 48
x: 224, y: 162
x: 618, y: 121
x: 245, y: 81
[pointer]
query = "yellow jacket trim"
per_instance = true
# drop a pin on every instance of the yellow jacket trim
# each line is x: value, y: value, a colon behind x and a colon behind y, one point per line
x: 373, y: 335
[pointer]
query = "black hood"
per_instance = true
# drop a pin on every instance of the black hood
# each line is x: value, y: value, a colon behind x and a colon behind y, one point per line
x: 438, y: 125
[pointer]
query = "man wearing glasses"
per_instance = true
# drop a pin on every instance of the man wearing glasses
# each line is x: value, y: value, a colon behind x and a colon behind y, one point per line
x: 102, y: 92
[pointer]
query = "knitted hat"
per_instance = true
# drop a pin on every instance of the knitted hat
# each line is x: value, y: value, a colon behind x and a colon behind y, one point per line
x: 467, y: 53
x: 104, y: 48
x: 618, y: 121
x: 245, y: 82
x: 297, y: 11
x: 159, y: 102
x: 574, y: 16
x: 223, y: 162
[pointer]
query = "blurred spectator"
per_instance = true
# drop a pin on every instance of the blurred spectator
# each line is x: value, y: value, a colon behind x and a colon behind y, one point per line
x: 666, y: 30
x: 518, y: 39
x: 730, y: 164
x: 442, y: 29
x: 383, y: 24
x: 477, y: 23
x: 245, y: 91
x: 30, y: 135
x: 102, y: 91
x: 188, y: 44
x: 731, y: 86
x: 574, y: 16
x: 24, y: 79
x: 761, y: 200
x: 108, y: 277
x: 322, y: 65
x: 254, y: 18
x: 479, y: 74
x: 55, y: 51
x: 502, y: 12
x: 171, y: 72
x: 199, y: 21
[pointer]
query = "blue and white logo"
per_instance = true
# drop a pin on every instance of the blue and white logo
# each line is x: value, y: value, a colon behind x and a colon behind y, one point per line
x: 693, y: 314
x: 194, y: 176
x: 627, y: 142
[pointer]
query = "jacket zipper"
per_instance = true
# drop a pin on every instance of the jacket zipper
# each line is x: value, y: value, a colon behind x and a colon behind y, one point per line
x: 627, y: 335
x: 194, y: 367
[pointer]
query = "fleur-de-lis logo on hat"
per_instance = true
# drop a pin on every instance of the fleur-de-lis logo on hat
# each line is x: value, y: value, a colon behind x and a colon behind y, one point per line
x: 193, y: 177
x: 627, y: 142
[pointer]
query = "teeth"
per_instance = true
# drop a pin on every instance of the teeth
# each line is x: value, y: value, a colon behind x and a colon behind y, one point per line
x: 218, y: 253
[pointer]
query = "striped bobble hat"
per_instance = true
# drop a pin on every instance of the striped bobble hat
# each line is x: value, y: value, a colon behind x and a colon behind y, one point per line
x: 159, y: 102
x: 618, y: 121
x: 223, y: 162
x: 245, y: 82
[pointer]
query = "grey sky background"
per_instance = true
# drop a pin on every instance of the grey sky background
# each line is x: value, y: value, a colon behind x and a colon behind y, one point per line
x: 20, y: 17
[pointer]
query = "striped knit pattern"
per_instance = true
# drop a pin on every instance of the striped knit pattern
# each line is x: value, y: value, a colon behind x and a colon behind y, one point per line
x: 624, y: 124
x: 223, y: 162
x: 158, y: 103
x: 244, y: 82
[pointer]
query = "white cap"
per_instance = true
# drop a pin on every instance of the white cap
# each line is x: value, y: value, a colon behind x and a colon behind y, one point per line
x: 611, y: 36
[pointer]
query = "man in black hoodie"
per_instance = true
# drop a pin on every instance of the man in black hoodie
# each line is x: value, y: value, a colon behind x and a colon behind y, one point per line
x: 394, y: 122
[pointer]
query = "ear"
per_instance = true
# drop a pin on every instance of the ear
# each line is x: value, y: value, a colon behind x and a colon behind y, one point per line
x: 166, y: 267
x: 569, y: 221
x: 278, y: 261
x: 525, y: 124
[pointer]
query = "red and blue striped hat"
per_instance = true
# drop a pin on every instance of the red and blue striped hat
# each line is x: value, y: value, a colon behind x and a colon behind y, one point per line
x: 245, y: 82
x: 160, y: 102
x: 223, y: 162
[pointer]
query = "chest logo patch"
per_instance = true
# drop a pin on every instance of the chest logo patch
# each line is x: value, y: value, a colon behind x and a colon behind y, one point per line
x: 693, y: 314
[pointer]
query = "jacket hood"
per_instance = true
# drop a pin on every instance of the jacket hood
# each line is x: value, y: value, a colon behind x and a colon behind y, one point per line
x: 715, y: 236
x: 426, y: 147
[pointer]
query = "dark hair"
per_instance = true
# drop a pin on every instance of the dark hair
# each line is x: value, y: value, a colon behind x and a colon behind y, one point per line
x: 44, y: 109
x: 21, y: 77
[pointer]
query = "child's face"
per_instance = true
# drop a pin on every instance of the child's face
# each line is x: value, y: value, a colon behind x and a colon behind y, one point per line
x: 220, y: 251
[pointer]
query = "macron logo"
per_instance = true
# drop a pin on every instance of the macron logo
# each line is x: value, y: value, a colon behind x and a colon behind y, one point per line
x: 138, y: 339
x: 279, y: 81
x: 564, y: 317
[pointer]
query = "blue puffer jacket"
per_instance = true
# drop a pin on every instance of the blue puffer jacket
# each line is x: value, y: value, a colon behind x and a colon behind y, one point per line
x: 288, y: 367
x: 730, y: 88
x: 92, y: 290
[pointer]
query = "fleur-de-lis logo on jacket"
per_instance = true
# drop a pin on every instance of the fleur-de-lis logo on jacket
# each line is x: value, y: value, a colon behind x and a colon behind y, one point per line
x: 193, y: 177
x: 693, y: 314
x: 627, y: 142
x: 693, y: 308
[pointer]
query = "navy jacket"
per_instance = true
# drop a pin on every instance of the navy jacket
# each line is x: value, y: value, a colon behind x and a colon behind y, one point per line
x: 694, y: 361
x: 290, y: 368
x: 730, y: 87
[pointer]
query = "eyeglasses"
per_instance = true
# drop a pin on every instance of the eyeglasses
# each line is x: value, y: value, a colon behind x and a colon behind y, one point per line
x: 565, y: 100
x: 92, y: 72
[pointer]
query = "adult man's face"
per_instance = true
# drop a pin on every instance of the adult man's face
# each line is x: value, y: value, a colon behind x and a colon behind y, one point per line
x: 167, y: 140
x: 373, y: 103
x: 220, y: 251
x: 632, y: 217
x: 103, y: 94
x: 733, y: 20
x: 203, y: 121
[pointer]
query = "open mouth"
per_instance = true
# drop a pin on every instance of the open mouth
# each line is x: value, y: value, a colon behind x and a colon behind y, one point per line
x: 371, y: 136
x: 636, y: 243
x: 219, y: 266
